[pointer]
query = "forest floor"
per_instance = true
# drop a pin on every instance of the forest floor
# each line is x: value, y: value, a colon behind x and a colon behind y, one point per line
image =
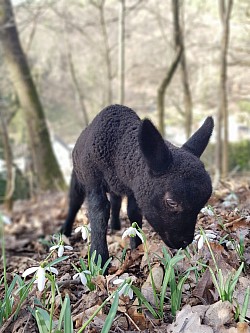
x: 27, y: 242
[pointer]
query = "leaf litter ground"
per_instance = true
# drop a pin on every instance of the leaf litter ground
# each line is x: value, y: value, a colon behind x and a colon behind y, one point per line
x: 28, y: 238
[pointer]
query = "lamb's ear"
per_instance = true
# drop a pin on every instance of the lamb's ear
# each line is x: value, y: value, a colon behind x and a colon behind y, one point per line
x: 197, y: 143
x: 153, y: 148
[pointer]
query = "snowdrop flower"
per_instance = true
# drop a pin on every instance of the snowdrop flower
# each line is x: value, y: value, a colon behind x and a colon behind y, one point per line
x: 247, y: 218
x: 6, y: 219
x: 85, y: 230
x: 61, y: 248
x: 201, y: 239
x: 126, y: 289
x: 40, y: 274
x: 230, y: 200
x: 230, y: 245
x: 82, y: 276
x: 207, y: 211
x: 132, y: 232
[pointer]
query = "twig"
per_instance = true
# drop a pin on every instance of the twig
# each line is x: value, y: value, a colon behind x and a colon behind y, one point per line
x: 229, y: 224
x: 129, y: 318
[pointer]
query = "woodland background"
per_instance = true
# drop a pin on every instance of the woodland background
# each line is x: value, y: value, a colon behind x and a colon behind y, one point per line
x: 175, y: 62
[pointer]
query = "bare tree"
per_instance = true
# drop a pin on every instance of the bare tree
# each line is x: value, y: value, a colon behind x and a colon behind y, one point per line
x: 121, y: 60
x: 78, y: 88
x: 48, y: 173
x: 162, y: 89
x: 100, y: 5
x: 225, y: 8
x: 177, y: 6
x: 9, y: 190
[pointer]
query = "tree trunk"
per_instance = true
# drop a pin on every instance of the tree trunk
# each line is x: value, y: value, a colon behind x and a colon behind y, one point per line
x: 121, y: 60
x: 179, y: 42
x: 162, y: 90
x: 48, y: 173
x: 106, y: 52
x: 77, y: 87
x: 9, y: 190
x: 225, y: 8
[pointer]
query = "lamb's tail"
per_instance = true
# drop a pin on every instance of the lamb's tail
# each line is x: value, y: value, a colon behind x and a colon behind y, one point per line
x: 76, y: 199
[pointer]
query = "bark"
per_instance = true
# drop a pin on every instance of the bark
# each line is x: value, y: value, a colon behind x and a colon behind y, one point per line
x: 225, y: 8
x: 77, y: 88
x: 162, y: 89
x: 179, y: 42
x: 107, y: 50
x: 121, y: 60
x: 10, y: 181
x: 48, y: 174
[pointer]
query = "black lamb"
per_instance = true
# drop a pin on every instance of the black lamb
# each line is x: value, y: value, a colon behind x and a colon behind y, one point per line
x: 120, y: 154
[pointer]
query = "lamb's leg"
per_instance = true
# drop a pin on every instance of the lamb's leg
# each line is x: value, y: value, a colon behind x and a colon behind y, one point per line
x: 115, y: 202
x: 134, y: 215
x: 76, y: 198
x: 99, y: 212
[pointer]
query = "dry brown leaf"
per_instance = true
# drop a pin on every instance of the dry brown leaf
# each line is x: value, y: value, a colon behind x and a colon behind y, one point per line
x: 203, y: 287
x: 147, y: 289
x: 188, y: 322
x: 240, y: 291
x: 138, y: 318
x: 219, y: 314
x: 242, y: 328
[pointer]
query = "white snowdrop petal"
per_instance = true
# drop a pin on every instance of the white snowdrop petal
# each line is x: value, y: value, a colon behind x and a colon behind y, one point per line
x: 200, y: 242
x: 132, y: 232
x: 83, y: 278
x: 87, y: 272
x: 75, y: 276
x: 52, y: 270
x: 30, y: 271
x: 118, y: 281
x: 6, y: 219
x: 78, y: 229
x: 41, y: 278
x: 197, y: 236
x: 121, y: 292
x: 130, y: 293
x: 84, y: 233
x: 68, y: 247
x: 60, y: 251
x: 213, y: 236
x: 139, y: 235
x: 53, y: 247
x: 125, y: 234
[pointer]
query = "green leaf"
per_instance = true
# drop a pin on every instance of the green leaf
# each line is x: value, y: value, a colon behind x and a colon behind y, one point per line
x: 111, y: 316
x: 57, y: 260
x: 235, y: 279
x: 40, y: 322
x: 244, y: 309
x: 144, y: 301
x: 106, y: 265
x: 68, y: 323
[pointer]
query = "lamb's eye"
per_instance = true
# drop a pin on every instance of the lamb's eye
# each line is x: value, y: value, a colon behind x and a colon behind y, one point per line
x: 171, y: 203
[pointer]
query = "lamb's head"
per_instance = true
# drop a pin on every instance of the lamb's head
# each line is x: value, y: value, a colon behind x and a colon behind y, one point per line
x: 178, y: 185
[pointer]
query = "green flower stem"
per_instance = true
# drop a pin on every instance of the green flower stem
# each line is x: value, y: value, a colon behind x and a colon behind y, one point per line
x: 8, y: 305
x: 100, y: 307
x: 210, y: 250
x: 149, y: 265
x: 52, y: 308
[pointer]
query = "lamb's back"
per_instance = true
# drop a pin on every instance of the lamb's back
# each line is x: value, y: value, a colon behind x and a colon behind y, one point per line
x: 105, y: 145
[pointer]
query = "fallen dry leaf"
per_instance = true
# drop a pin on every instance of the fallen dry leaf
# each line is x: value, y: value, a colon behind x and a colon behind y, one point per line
x: 219, y: 314
x: 188, y: 322
x: 147, y: 289
x: 203, y: 287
